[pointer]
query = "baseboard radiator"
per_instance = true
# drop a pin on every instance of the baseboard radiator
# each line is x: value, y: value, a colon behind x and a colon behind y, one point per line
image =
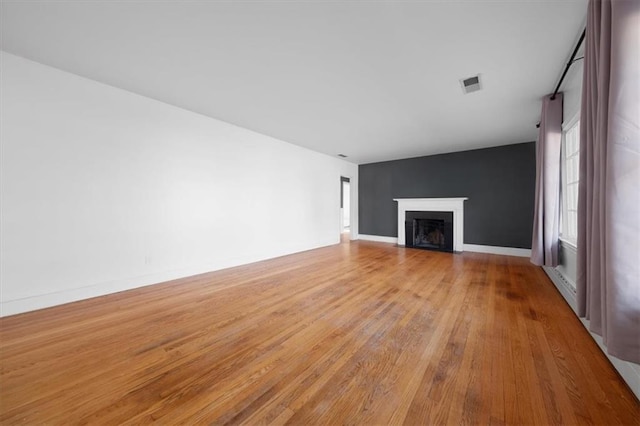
x: 566, y: 287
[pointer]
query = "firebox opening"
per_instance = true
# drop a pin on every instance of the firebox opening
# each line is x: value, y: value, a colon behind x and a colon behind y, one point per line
x: 429, y: 230
x: 428, y: 233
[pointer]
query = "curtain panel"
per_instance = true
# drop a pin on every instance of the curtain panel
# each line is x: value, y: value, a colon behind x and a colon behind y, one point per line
x: 608, y: 279
x: 546, y: 220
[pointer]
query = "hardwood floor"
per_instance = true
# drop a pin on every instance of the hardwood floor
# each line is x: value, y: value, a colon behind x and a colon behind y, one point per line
x: 357, y: 333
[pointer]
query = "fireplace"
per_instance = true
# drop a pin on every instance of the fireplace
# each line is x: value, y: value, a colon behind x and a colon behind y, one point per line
x: 453, y: 227
x: 429, y: 230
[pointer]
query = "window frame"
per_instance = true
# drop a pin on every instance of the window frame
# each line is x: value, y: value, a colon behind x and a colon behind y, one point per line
x: 566, y: 127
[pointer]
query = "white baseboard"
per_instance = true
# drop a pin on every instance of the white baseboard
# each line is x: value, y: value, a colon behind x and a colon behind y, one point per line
x: 506, y: 251
x: 629, y: 371
x: 41, y: 301
x: 378, y: 238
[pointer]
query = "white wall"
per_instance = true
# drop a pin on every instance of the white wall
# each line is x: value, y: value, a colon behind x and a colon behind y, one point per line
x: 103, y: 190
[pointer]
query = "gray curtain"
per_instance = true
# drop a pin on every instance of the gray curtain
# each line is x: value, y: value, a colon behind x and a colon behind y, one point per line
x: 546, y: 220
x: 608, y: 281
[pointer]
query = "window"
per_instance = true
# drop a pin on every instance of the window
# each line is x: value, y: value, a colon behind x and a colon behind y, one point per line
x: 570, y: 178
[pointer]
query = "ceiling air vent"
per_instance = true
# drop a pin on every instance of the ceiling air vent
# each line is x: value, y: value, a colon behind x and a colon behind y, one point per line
x: 471, y: 84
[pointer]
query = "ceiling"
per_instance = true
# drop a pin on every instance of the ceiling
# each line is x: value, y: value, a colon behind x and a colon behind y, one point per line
x: 374, y: 80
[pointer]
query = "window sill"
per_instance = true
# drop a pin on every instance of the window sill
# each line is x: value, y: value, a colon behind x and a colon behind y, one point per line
x: 571, y: 245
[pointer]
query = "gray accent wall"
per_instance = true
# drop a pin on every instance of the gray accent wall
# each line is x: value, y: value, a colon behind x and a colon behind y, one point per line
x: 499, y: 181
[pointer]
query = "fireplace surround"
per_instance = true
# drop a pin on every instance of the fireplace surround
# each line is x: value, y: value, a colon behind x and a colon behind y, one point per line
x: 453, y: 205
x: 429, y: 230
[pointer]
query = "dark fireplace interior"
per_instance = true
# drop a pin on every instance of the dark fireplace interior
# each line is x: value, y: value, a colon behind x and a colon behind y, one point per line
x: 429, y: 230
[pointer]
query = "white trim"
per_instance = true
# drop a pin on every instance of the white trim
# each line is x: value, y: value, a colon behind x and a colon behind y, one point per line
x: 505, y: 251
x: 41, y: 301
x: 629, y: 371
x: 378, y: 238
x: 568, y: 244
x: 455, y: 205
x: 570, y: 123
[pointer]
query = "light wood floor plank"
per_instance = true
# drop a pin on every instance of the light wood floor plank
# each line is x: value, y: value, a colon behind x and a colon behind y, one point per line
x: 358, y: 333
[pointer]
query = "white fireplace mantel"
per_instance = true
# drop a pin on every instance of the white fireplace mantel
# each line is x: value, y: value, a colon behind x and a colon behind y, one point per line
x: 455, y: 205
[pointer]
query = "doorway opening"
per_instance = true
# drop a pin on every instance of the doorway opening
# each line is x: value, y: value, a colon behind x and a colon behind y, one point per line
x: 345, y: 208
